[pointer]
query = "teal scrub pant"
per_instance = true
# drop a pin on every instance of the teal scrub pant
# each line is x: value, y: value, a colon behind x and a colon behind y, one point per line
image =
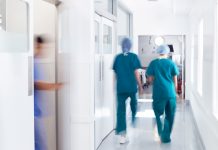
x: 169, y: 107
x: 121, y: 111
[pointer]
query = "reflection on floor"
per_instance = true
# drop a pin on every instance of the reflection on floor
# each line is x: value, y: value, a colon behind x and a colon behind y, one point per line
x: 184, y: 137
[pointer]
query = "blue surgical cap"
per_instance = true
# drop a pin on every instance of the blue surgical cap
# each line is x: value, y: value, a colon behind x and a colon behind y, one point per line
x: 126, y: 45
x: 163, y: 49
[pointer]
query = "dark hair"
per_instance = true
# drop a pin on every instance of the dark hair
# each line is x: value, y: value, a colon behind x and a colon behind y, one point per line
x: 39, y: 40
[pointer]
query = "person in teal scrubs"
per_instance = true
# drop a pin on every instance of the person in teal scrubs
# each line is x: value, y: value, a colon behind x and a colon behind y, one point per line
x: 163, y: 73
x: 126, y: 67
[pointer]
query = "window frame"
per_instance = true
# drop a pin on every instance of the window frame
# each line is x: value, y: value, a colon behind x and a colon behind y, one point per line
x: 192, y: 58
x: 215, y: 65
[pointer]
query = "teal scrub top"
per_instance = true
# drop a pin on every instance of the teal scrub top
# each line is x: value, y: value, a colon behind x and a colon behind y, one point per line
x: 163, y: 71
x: 124, y: 67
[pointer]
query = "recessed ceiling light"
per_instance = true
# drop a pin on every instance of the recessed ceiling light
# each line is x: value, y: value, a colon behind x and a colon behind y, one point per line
x: 152, y: 0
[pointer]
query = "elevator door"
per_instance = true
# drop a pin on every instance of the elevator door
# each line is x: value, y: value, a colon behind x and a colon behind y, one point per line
x: 104, y: 46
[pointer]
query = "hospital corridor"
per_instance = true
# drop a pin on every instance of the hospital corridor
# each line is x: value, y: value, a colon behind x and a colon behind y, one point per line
x: 108, y: 74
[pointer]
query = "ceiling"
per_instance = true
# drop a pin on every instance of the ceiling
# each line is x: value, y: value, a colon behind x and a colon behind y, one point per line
x: 164, y: 7
x: 182, y: 7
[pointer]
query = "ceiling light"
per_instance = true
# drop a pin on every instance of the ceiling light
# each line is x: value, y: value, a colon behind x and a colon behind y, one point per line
x: 152, y: 0
x: 159, y: 40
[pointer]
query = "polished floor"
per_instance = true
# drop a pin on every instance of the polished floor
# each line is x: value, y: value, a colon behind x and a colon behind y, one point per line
x: 184, y: 136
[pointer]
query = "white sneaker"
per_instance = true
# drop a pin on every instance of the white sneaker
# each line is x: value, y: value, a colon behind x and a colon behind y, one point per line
x: 124, y: 139
x: 156, y: 135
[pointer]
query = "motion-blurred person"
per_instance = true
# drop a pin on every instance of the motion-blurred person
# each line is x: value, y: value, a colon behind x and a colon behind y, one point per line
x: 163, y: 73
x: 39, y: 85
x: 126, y: 67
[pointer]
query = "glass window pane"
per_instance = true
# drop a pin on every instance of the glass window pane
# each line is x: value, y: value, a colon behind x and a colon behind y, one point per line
x: 2, y: 13
x: 63, y: 32
x: 97, y: 37
x: 107, y: 40
x: 192, y: 58
x: 105, y: 5
x: 14, y: 26
x: 123, y: 25
x: 200, y: 55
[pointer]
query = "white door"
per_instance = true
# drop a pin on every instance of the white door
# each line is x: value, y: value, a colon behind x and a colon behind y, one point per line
x: 98, y: 81
x: 107, y: 76
x: 104, y: 37
x: 16, y: 90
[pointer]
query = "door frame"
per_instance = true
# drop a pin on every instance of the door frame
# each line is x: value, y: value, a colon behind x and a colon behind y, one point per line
x: 103, y: 21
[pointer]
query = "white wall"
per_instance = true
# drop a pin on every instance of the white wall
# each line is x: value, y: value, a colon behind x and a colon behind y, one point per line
x: 45, y: 24
x: 147, y: 24
x: 203, y: 105
x: 76, y: 63
x: 16, y: 106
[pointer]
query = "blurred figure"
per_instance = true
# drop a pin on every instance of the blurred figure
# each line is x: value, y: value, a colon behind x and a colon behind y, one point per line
x: 163, y: 73
x: 39, y: 84
x: 126, y: 67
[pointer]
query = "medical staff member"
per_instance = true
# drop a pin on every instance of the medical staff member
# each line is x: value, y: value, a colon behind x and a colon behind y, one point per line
x: 40, y: 85
x: 126, y: 67
x: 163, y: 73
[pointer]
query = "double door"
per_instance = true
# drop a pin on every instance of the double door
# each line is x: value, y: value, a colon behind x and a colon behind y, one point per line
x: 104, y: 95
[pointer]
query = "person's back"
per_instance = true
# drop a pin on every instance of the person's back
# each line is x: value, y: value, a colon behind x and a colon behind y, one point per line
x: 124, y: 67
x: 163, y: 71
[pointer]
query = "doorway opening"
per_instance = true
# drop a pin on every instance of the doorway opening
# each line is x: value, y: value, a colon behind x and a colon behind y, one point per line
x: 147, y: 45
x: 45, y: 24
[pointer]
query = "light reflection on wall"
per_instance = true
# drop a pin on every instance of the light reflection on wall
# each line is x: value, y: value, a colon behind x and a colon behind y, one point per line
x: 104, y: 112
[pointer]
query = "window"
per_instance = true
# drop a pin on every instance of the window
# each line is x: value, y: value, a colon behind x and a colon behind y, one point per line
x: 97, y: 36
x: 123, y: 22
x: 192, y: 58
x: 14, y: 25
x: 1, y: 21
x: 104, y: 5
x: 215, y: 79
x: 124, y: 26
x: 107, y: 39
x: 2, y: 14
x: 200, y: 56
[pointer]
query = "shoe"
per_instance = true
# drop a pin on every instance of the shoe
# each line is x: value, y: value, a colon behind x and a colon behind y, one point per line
x: 124, y: 139
x: 156, y: 135
x: 165, y: 140
x: 133, y: 123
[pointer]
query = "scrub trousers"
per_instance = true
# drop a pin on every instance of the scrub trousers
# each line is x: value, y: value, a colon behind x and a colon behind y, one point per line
x: 121, y: 111
x: 39, y: 134
x: 169, y: 107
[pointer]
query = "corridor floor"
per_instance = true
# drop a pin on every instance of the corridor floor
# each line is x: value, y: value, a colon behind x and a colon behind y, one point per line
x: 184, y: 136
